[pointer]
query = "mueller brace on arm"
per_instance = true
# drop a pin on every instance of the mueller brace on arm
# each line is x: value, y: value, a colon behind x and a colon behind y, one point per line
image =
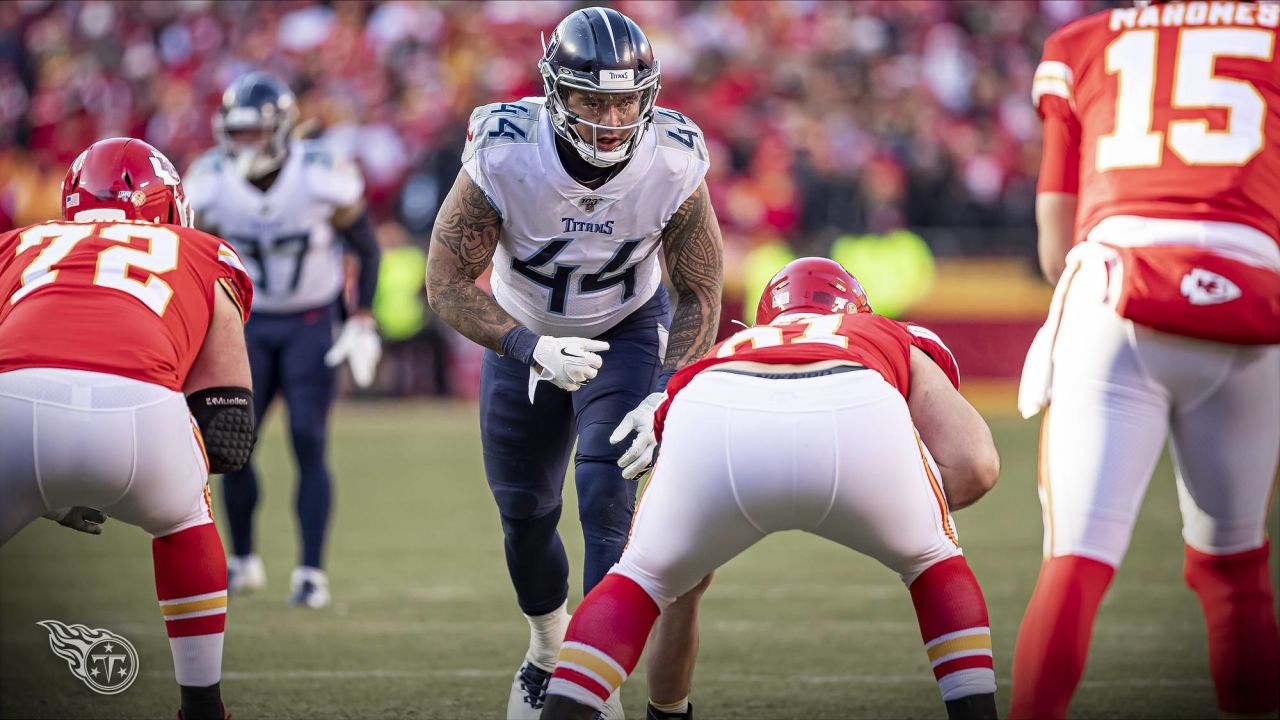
x: 225, y: 417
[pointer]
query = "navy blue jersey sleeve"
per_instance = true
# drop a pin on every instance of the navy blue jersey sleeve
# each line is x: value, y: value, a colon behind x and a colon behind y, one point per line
x: 363, y: 243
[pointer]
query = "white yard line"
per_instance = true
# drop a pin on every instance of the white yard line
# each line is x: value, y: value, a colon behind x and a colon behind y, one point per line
x: 921, y: 679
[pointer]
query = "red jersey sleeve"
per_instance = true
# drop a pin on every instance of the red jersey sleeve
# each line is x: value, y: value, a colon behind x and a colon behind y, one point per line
x: 932, y: 345
x: 1053, y: 94
x: 234, y: 279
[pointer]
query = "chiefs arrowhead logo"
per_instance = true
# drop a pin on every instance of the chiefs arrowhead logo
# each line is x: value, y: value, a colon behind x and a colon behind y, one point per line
x: 1201, y: 287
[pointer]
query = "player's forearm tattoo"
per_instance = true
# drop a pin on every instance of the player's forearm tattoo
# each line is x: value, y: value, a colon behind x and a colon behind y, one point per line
x: 695, y: 262
x: 462, y: 244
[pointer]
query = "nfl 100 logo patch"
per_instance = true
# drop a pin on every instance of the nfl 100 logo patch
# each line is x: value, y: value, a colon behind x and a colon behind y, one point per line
x: 589, y: 203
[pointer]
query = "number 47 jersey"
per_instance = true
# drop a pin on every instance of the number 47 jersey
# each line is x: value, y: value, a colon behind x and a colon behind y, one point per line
x: 572, y: 261
x: 285, y: 234
x: 124, y: 298
x: 1166, y: 111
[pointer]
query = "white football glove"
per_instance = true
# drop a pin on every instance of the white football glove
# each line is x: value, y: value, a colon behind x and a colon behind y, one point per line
x: 85, y: 519
x: 639, y: 456
x: 360, y: 347
x: 568, y: 362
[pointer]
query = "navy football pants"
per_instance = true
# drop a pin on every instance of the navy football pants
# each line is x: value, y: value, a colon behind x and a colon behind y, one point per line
x: 526, y: 452
x: 286, y: 356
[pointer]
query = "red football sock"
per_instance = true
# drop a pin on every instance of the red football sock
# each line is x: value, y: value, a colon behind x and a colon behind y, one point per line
x: 604, y: 641
x: 1244, y: 643
x: 191, y: 584
x: 953, y: 624
x: 1053, y: 641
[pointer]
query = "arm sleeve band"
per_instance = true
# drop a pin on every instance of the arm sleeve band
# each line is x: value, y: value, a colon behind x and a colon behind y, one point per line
x: 519, y: 343
x: 364, y: 244
x: 225, y: 418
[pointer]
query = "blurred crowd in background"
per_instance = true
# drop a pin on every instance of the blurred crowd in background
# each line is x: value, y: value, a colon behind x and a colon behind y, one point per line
x: 824, y: 119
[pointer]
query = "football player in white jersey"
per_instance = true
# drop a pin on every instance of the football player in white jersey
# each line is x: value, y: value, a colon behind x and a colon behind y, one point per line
x: 572, y: 196
x: 290, y: 208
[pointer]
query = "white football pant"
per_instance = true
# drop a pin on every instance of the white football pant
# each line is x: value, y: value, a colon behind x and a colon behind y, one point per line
x: 744, y: 456
x: 1118, y: 389
x: 71, y: 437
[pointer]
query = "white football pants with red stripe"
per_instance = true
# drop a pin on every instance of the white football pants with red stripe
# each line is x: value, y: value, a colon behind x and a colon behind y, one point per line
x: 743, y: 457
x: 71, y: 437
x: 1118, y: 390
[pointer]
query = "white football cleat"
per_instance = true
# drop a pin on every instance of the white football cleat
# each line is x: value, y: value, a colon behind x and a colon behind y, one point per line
x: 308, y: 588
x: 528, y: 692
x: 612, y: 709
x: 245, y: 574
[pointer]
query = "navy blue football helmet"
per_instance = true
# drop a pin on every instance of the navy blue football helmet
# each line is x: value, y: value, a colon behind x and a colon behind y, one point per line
x: 599, y: 50
x: 261, y: 102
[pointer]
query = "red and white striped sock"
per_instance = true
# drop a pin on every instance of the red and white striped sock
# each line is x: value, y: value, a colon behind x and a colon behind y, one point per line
x: 604, y: 641
x: 953, y: 624
x: 191, y: 584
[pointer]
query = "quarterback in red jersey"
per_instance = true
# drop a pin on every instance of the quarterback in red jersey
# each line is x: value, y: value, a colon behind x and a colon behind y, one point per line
x: 1158, y: 220
x: 124, y: 383
x: 815, y: 420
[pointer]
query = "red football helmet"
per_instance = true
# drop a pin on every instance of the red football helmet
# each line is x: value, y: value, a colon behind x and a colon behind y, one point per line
x: 124, y: 179
x: 811, y: 284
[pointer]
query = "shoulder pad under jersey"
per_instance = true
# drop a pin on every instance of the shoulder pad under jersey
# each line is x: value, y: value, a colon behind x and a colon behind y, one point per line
x: 200, y: 181
x: 932, y: 345
x: 502, y: 124
x: 675, y: 130
x: 330, y: 177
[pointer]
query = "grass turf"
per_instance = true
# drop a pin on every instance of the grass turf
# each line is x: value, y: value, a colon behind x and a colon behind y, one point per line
x: 424, y: 623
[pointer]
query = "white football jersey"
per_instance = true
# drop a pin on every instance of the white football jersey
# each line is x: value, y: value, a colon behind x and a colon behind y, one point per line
x: 284, y: 235
x: 572, y: 261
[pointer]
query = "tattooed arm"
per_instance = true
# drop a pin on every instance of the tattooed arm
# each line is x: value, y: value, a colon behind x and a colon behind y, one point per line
x: 694, y: 252
x: 462, y: 244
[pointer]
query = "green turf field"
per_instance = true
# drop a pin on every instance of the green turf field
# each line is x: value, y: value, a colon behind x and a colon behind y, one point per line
x: 424, y: 623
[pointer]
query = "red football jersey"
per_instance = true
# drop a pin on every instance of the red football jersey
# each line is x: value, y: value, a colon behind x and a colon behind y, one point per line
x: 1165, y: 111
x: 126, y: 298
x: 867, y: 339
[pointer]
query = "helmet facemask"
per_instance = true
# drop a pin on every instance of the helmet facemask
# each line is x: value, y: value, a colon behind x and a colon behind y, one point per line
x: 558, y: 86
x: 255, y: 158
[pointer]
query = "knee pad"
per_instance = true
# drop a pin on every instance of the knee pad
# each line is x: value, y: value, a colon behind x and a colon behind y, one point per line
x: 1218, y: 537
x: 307, y: 438
x: 531, y: 525
x: 604, y: 497
x: 517, y: 503
x: 195, y: 519
x: 594, y: 445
